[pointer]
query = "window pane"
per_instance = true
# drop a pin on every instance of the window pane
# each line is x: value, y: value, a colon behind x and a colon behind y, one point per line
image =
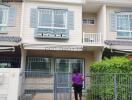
x: 45, y: 17
x: 1, y: 15
x: 122, y: 22
x: 5, y: 65
x: 40, y: 64
x: 84, y: 21
x: 62, y: 65
x: 68, y: 65
x: 131, y: 34
x: 77, y: 64
x: 130, y: 20
x: 59, y: 18
x: 5, y: 16
x: 3, y: 29
x: 91, y: 21
x: 123, y: 34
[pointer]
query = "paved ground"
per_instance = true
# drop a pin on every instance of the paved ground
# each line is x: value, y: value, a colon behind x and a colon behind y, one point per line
x: 46, y: 96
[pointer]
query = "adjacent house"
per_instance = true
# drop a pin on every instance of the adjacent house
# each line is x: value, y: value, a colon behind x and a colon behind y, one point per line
x: 42, y: 41
x: 10, y: 51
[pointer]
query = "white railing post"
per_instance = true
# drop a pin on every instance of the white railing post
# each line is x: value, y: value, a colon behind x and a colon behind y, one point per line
x: 92, y: 38
x: 100, y: 37
x: 83, y: 37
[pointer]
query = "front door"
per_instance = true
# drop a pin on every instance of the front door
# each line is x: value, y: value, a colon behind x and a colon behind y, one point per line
x: 53, y: 70
x: 63, y: 77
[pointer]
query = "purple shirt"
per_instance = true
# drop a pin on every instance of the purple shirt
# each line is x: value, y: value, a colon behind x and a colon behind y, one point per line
x: 77, y: 78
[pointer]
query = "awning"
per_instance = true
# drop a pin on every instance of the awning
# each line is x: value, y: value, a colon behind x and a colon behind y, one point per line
x: 119, y: 45
x: 6, y: 49
x: 118, y: 42
x: 9, y: 40
x: 53, y: 47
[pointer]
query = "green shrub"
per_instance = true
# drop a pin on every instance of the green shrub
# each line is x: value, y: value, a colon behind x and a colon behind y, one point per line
x: 113, y: 65
x: 102, y: 80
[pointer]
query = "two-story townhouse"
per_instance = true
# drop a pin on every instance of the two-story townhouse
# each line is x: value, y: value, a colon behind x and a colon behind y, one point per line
x: 60, y: 35
x: 10, y: 21
x: 55, y: 41
x: 52, y: 40
x: 118, y: 33
x: 10, y: 51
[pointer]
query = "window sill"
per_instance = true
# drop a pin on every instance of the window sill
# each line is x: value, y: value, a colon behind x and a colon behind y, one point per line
x: 48, y: 33
x: 128, y: 38
x: 60, y: 28
x: 3, y: 32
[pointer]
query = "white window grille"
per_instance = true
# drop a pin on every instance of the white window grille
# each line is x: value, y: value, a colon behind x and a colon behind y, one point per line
x: 39, y: 64
x: 124, y: 25
x: 9, y: 62
x: 52, y: 18
x: 88, y: 21
x: 3, y: 19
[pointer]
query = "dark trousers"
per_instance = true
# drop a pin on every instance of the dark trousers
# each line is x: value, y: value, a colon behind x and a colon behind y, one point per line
x: 77, y: 91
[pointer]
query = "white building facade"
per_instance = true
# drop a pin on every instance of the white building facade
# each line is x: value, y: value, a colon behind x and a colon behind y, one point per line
x: 57, y: 36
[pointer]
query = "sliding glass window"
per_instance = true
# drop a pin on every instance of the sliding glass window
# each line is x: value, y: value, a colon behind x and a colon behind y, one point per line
x: 39, y: 64
x: 124, y: 25
x: 68, y: 65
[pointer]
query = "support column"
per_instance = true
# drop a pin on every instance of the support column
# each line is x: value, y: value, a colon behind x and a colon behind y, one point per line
x: 22, y: 69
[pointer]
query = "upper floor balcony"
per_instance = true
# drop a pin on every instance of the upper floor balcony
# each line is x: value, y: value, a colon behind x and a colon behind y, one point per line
x: 92, y: 39
x: 93, y: 24
x: 62, y: 26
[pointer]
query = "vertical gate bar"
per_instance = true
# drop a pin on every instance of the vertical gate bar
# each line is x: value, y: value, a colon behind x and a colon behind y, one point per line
x: 115, y: 87
x: 55, y: 86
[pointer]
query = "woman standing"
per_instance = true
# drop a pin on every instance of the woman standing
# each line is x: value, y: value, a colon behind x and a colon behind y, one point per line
x: 77, y: 83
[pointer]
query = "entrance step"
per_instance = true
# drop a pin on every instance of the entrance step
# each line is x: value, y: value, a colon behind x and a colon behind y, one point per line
x: 43, y: 96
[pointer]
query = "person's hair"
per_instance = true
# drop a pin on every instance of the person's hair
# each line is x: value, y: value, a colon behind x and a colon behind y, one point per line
x: 76, y: 70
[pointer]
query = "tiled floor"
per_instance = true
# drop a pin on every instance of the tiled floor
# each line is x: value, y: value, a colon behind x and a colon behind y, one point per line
x: 47, y: 96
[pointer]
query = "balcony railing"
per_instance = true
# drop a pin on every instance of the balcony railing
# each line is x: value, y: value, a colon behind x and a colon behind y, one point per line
x: 92, y: 38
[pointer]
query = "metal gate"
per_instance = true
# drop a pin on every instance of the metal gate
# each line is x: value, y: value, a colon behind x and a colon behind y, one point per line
x: 62, y: 86
x: 37, y: 85
x: 110, y: 86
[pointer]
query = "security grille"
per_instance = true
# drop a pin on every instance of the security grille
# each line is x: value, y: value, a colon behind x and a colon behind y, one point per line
x: 9, y: 62
x: 62, y: 86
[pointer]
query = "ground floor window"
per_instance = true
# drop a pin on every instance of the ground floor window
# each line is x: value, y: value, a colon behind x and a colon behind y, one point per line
x: 51, y: 65
x: 68, y: 65
x: 39, y: 64
x: 9, y: 62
